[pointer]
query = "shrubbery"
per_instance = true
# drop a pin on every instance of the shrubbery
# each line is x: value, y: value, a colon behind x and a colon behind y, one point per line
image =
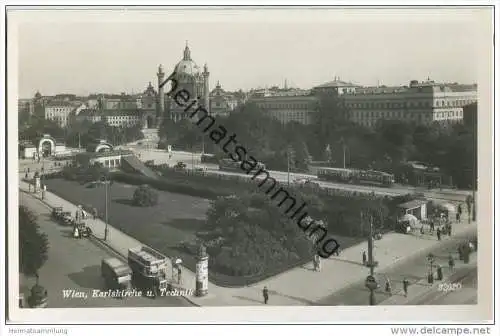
x: 145, y: 196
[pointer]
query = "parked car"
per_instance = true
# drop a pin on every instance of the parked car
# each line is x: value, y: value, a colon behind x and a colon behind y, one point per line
x: 180, y: 165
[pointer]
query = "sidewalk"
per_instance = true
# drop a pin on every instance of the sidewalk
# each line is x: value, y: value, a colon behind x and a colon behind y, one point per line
x: 422, y: 287
x: 298, y: 286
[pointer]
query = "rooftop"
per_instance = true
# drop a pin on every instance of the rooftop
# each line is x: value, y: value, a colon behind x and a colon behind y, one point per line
x: 59, y: 103
x: 412, y: 204
x: 92, y: 155
x: 109, y: 113
x: 336, y: 83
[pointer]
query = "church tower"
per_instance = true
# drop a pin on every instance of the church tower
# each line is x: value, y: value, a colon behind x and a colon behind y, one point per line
x: 206, y: 88
x: 161, y: 96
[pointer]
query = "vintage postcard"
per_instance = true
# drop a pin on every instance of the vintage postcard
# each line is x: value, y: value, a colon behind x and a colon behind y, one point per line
x: 177, y: 164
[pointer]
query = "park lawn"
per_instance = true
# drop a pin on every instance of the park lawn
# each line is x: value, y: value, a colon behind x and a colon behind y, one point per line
x: 175, y: 218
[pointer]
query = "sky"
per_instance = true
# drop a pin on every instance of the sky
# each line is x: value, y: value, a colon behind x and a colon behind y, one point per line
x: 84, y: 52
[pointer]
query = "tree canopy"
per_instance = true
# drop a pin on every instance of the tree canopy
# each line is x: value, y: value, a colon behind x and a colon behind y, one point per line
x: 33, y: 244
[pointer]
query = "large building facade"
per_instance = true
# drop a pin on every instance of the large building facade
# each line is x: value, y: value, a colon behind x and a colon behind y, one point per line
x: 288, y: 105
x: 420, y: 103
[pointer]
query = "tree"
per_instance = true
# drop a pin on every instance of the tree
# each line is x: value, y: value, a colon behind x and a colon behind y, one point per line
x: 302, y: 157
x: 33, y: 244
x: 145, y: 196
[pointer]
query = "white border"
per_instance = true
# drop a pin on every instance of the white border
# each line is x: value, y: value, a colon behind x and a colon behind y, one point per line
x: 357, y: 315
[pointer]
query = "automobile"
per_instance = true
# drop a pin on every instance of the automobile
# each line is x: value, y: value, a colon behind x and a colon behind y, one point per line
x: 81, y: 230
x: 56, y: 212
x: 66, y: 218
x: 180, y: 165
x: 301, y: 180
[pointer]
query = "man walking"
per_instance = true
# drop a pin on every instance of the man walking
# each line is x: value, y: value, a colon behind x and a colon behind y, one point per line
x: 388, y: 287
x: 438, y: 234
x: 451, y: 263
x: 265, y: 293
x: 406, y: 283
x: 432, y: 226
x: 364, y: 257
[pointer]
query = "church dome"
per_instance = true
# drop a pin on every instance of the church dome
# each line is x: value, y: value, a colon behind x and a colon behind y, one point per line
x: 187, y: 66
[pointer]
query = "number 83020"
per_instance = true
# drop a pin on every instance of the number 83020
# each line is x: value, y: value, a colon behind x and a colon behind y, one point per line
x: 449, y: 287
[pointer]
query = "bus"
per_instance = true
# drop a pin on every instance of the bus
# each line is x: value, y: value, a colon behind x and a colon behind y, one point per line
x: 356, y: 176
x: 235, y: 166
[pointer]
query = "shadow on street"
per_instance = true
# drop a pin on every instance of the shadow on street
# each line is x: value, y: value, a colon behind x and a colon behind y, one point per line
x: 89, y: 277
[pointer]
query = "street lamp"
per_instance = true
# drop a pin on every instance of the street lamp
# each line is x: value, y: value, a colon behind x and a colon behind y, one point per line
x: 290, y: 155
x: 106, y: 207
x: 371, y: 283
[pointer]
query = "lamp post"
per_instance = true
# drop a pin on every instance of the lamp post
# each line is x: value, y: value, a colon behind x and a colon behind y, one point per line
x: 288, y: 165
x: 106, y: 208
x: 371, y: 282
x: 430, y: 259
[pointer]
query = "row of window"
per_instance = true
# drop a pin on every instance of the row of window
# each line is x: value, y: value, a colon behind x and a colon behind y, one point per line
x: 384, y: 114
x: 285, y: 106
x: 59, y: 109
x: 110, y: 163
x: 416, y: 104
x: 449, y: 114
x: 403, y: 114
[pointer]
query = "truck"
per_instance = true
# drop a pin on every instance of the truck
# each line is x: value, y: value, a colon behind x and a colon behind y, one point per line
x: 149, y: 269
x: 116, y: 274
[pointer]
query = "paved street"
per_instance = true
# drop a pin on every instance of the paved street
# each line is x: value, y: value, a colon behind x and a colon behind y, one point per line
x: 75, y: 264
x: 193, y: 159
x: 467, y: 294
x: 415, y: 270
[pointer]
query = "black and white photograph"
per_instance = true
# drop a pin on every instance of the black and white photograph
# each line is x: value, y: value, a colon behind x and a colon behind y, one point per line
x: 263, y: 158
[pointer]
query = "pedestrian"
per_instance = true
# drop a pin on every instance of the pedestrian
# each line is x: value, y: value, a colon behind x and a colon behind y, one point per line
x: 388, y: 287
x: 438, y: 234
x: 439, y: 273
x: 406, y: 283
x: 432, y: 226
x: 451, y: 263
x: 364, y: 257
x: 457, y: 217
x: 460, y: 209
x: 449, y: 229
x: 265, y: 293
x: 28, y: 170
x: 471, y: 246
